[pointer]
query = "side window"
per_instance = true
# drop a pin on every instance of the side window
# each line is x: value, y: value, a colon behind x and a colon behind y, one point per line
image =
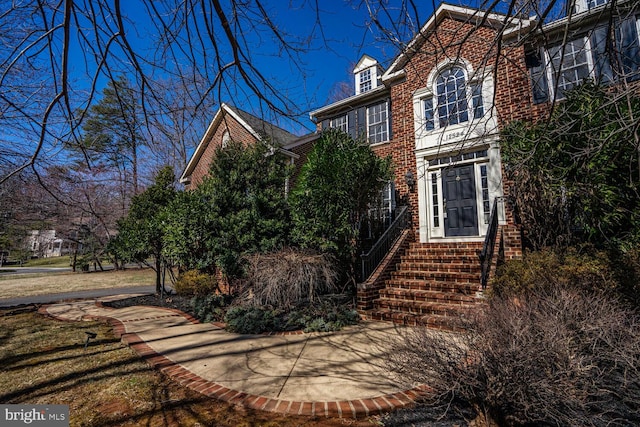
x: 378, y: 123
x: 340, y: 123
x: 569, y: 65
x: 226, y: 138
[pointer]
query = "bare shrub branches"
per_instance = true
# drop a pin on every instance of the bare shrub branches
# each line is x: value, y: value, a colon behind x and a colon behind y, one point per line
x: 284, y: 278
x: 556, y: 358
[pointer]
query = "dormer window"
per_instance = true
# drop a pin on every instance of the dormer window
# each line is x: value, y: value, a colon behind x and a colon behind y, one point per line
x: 365, y: 81
x: 585, y: 5
x: 366, y: 74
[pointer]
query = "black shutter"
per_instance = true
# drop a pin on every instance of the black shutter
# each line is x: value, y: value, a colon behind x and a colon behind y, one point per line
x: 361, y: 123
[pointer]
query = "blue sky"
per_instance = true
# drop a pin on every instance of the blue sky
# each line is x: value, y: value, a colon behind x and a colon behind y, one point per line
x: 348, y: 34
x: 335, y: 39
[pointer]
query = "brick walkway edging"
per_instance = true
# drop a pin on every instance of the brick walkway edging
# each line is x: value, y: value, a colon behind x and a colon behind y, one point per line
x: 358, y: 408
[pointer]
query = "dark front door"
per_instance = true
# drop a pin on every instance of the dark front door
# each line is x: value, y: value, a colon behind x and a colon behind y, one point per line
x: 459, y: 194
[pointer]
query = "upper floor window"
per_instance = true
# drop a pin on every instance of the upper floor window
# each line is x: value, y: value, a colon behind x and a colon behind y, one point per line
x: 595, y: 3
x: 226, y: 138
x: 454, y: 100
x: 340, y: 123
x: 371, y: 122
x: 452, y: 97
x: 569, y: 65
x: 378, y: 123
x: 365, y: 81
x: 606, y: 55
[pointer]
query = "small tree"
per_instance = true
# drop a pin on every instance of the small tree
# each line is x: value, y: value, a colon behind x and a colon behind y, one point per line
x: 140, y: 233
x: 240, y: 208
x: 187, y: 227
x: 340, y: 180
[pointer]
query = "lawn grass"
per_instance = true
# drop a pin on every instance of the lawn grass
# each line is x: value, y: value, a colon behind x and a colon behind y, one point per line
x: 43, y: 361
x: 27, y: 285
x: 60, y: 261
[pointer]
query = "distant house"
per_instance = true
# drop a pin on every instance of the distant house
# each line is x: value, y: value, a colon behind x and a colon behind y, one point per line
x: 437, y: 110
x: 46, y: 244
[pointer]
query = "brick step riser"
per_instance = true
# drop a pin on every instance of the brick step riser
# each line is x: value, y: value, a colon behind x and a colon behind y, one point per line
x: 445, y: 310
x: 421, y: 285
x: 436, y: 277
x: 444, y: 249
x: 431, y: 268
x: 441, y: 259
x: 437, y: 297
x: 449, y: 246
x: 442, y: 254
x: 432, y: 322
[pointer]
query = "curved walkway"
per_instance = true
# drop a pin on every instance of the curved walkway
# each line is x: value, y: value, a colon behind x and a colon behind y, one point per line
x: 340, y: 374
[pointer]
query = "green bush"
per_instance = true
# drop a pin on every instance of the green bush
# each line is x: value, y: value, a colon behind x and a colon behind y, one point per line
x: 587, y: 269
x: 210, y: 308
x: 321, y: 317
x: 196, y: 283
x: 249, y: 320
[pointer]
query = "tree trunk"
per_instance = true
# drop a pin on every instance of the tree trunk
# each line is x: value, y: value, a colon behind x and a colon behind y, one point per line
x: 158, y: 275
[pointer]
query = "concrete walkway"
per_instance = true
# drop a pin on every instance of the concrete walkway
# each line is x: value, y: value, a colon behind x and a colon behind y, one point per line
x: 340, y: 374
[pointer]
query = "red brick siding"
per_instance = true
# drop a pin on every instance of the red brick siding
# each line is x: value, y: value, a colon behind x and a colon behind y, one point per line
x: 237, y: 132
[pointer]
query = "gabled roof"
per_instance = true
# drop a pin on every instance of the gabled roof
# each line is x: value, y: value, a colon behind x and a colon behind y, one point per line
x: 464, y: 14
x: 478, y: 17
x: 263, y: 129
x: 260, y: 129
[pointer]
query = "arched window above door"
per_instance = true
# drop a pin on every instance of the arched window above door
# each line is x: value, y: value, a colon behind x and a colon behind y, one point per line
x: 451, y: 98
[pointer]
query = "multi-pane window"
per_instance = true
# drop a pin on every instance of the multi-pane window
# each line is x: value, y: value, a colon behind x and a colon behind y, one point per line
x: 607, y: 55
x: 570, y: 65
x: 476, y: 97
x: 429, y: 124
x: 455, y: 100
x: 378, y: 123
x: 594, y: 3
x: 486, y: 207
x: 340, y: 123
x: 451, y: 95
x: 434, y: 199
x: 365, y: 80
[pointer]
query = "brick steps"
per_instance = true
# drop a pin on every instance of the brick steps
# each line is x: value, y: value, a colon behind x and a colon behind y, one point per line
x: 420, y: 295
x: 431, y: 321
x: 437, y: 286
x: 435, y: 276
x: 433, y: 285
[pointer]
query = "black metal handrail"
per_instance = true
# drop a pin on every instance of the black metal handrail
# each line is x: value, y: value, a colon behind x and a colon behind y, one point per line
x: 486, y: 256
x: 375, y: 255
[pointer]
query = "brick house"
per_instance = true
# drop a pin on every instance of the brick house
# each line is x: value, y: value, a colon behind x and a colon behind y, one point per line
x: 232, y: 123
x: 437, y: 110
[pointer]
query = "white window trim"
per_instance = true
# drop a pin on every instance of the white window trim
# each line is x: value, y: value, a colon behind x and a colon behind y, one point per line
x: 471, y: 78
x: 386, y: 106
x: 551, y: 80
x: 332, y: 123
x: 362, y: 81
x: 459, y: 134
x: 226, y: 138
x: 427, y: 231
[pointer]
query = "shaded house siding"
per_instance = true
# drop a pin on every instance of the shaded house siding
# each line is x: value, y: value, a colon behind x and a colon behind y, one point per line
x: 236, y: 132
x: 302, y: 149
